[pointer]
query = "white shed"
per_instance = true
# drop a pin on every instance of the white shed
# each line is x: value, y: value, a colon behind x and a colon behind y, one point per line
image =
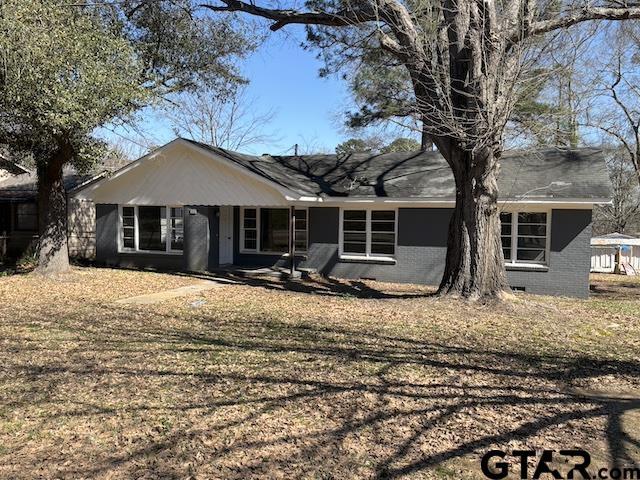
x: 605, y: 248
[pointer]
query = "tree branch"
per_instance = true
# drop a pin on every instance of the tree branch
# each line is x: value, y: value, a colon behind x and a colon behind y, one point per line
x: 344, y: 18
x: 574, y: 17
x: 392, y: 46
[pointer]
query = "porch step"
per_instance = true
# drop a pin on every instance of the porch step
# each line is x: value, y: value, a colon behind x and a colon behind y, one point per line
x: 278, y: 272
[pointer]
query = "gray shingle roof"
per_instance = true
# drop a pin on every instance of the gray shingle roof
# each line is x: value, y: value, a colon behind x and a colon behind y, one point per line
x: 549, y: 173
x: 24, y: 186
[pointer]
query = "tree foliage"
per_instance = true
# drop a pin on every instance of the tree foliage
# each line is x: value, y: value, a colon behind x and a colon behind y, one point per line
x: 69, y: 68
x: 64, y: 73
x: 376, y: 145
x: 355, y: 145
x: 402, y: 145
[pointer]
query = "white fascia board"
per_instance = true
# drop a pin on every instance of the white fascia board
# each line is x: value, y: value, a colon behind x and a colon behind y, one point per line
x: 437, y: 203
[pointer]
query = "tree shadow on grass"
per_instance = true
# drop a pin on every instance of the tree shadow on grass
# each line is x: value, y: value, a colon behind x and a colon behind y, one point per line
x: 614, y: 290
x: 317, y: 285
x: 385, y: 397
x: 309, y: 284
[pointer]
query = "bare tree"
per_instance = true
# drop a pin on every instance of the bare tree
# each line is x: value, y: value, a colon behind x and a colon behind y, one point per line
x: 464, y: 59
x: 624, y: 211
x: 556, y: 91
x: 227, y: 120
x: 616, y: 110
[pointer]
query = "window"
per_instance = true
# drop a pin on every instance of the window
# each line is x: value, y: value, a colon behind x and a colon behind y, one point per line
x: 151, y: 228
x: 151, y: 234
x: 266, y: 230
x: 129, y: 227
x: 383, y: 232
x: 370, y: 233
x: 176, y: 228
x: 26, y: 216
x: 524, y: 237
x: 274, y: 230
x: 301, y: 230
x: 355, y: 232
x: 250, y: 223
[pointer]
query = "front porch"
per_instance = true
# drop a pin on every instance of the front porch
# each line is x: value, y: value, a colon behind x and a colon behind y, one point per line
x: 203, y: 238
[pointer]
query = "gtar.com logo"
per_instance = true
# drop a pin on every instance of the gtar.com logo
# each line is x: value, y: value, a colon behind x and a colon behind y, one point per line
x: 533, y: 465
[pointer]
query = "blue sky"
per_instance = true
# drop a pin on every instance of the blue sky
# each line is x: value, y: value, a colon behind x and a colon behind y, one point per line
x: 283, y: 78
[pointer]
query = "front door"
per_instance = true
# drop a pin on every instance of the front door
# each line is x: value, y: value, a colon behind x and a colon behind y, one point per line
x: 226, y: 235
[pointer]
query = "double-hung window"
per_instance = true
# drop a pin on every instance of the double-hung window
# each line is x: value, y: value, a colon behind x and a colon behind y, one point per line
x: 151, y: 229
x: 302, y: 230
x: 266, y: 230
x: 368, y: 233
x: 128, y: 227
x: 525, y: 237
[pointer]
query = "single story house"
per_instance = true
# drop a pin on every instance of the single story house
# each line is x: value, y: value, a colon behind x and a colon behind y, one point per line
x: 19, y: 211
x: 190, y: 206
x: 615, y: 252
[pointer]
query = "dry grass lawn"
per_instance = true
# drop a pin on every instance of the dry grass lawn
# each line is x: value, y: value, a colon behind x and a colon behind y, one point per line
x: 323, y: 379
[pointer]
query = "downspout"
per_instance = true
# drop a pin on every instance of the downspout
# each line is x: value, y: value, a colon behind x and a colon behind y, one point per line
x: 292, y: 240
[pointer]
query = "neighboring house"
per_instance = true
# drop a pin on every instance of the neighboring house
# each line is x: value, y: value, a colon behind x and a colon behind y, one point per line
x: 189, y: 206
x: 613, y: 249
x: 19, y: 212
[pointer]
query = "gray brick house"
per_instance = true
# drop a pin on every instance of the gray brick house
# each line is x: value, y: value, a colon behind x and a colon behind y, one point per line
x: 189, y: 206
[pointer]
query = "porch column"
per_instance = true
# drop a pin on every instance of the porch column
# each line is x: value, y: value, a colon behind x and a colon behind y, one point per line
x: 199, y: 221
x: 292, y: 239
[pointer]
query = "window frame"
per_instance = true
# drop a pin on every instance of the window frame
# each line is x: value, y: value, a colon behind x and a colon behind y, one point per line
x: 136, y: 231
x: 368, y: 214
x: 258, y: 250
x: 514, y: 262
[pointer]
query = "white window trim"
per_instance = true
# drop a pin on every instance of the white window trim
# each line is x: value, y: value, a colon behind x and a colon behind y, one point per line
x: 367, y: 256
x: 258, y: 249
x: 168, y: 250
x: 513, y: 263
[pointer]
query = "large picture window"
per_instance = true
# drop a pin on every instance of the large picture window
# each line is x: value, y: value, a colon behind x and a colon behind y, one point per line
x: 368, y: 233
x: 266, y: 230
x: 524, y: 237
x: 151, y: 229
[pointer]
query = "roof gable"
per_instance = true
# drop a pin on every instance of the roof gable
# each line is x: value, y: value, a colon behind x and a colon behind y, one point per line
x: 181, y: 174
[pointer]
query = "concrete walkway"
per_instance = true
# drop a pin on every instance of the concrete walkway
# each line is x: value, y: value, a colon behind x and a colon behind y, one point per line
x: 175, y: 293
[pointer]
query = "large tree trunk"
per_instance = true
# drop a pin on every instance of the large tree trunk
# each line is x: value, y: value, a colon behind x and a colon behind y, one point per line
x: 475, y: 262
x: 53, y: 252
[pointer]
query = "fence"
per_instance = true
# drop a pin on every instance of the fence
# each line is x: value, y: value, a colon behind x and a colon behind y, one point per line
x: 603, y: 258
